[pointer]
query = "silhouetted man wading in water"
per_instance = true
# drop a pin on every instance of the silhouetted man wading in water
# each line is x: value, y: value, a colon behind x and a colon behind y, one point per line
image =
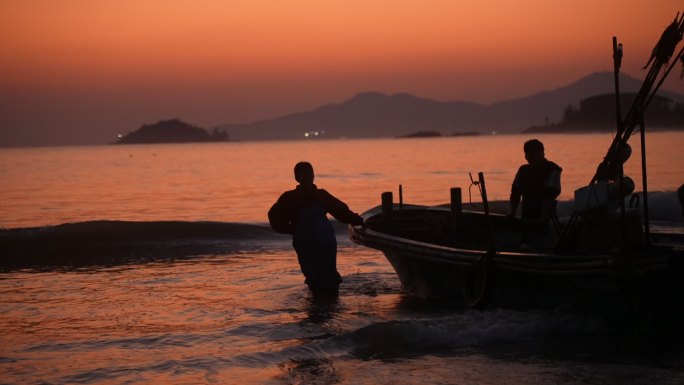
x: 302, y: 213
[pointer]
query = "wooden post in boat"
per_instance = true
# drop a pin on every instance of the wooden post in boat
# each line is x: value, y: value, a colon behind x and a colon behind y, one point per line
x: 456, y: 201
x: 401, y: 198
x: 485, y: 204
x: 483, y: 191
x: 387, y: 204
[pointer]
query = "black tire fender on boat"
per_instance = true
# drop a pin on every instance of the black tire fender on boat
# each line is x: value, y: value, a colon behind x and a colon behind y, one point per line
x: 477, y: 282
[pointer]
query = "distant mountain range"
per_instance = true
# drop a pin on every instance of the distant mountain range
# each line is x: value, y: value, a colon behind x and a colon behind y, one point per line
x: 373, y: 114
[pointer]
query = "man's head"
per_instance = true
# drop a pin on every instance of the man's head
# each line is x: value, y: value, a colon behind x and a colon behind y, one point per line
x: 304, y: 173
x: 534, y: 151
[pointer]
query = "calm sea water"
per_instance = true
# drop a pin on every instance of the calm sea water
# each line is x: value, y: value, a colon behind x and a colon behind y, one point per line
x: 243, y: 315
x: 237, y: 182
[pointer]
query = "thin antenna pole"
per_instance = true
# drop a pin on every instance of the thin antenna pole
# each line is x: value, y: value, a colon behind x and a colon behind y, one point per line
x: 647, y: 230
x: 617, y: 62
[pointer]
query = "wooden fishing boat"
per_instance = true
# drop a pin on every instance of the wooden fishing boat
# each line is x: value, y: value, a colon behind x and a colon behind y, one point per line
x: 603, y: 250
x: 484, y: 257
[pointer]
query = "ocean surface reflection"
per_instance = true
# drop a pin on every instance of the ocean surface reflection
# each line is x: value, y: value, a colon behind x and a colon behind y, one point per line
x: 214, y: 296
x: 238, y: 181
x: 247, y: 318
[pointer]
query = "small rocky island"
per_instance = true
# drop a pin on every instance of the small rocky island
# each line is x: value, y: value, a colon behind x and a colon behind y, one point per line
x: 172, y: 131
x: 421, y: 134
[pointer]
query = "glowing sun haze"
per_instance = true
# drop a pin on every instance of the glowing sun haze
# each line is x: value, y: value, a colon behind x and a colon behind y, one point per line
x: 118, y: 64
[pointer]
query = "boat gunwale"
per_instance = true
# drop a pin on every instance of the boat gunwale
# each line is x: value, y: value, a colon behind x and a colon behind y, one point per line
x: 530, y: 262
x: 464, y: 257
x: 541, y: 255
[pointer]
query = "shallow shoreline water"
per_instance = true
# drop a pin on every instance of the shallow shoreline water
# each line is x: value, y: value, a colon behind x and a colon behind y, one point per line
x: 195, y: 288
x: 247, y: 318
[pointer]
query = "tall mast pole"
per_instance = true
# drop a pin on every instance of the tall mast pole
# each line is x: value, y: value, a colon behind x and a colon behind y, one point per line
x: 617, y: 63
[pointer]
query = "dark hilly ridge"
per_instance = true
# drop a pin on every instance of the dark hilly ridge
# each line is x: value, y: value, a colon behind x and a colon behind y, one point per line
x: 373, y: 114
x: 366, y: 115
x: 172, y: 131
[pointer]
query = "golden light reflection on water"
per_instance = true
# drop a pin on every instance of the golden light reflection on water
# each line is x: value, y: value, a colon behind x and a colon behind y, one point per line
x: 237, y: 182
x: 191, y: 320
x: 248, y: 317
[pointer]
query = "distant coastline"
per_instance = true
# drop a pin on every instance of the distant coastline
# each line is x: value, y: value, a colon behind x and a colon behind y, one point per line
x: 434, y: 134
x: 172, y: 131
x: 556, y: 129
x: 597, y: 114
x: 421, y: 134
x: 378, y: 115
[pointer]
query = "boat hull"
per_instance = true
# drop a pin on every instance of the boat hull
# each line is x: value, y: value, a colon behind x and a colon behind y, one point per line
x: 486, y: 277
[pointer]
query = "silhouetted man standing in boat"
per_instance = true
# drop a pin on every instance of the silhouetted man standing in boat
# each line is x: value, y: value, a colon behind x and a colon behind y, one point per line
x: 302, y: 213
x: 537, y: 183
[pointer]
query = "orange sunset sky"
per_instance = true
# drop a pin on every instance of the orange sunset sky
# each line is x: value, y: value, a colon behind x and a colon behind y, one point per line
x: 80, y: 71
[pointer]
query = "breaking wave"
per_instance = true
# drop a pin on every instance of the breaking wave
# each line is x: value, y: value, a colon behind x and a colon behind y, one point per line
x: 105, y: 241
x: 472, y: 329
x: 115, y: 241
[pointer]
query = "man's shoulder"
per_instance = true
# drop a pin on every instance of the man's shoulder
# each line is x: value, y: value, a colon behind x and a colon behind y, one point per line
x: 553, y: 166
x: 323, y: 194
x: 287, y: 195
x: 524, y: 168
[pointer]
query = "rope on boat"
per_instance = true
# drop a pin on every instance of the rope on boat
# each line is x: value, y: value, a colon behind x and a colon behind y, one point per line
x: 477, y: 283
